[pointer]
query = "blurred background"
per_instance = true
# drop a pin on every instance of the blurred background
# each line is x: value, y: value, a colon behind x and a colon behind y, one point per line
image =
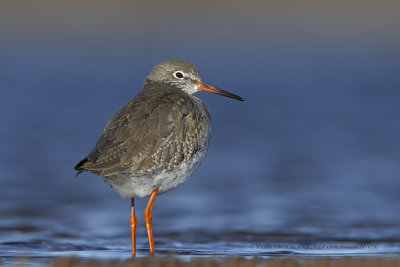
x: 313, y: 153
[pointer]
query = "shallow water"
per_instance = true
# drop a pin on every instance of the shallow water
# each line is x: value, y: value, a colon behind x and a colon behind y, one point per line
x: 40, y: 246
x: 308, y: 165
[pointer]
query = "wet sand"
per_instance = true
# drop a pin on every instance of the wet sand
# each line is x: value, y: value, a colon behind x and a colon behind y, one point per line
x: 235, y: 261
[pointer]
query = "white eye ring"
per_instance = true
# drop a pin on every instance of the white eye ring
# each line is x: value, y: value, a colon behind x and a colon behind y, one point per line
x: 179, y: 74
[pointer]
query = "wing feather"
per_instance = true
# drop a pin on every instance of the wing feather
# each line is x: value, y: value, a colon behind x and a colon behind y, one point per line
x: 151, y: 131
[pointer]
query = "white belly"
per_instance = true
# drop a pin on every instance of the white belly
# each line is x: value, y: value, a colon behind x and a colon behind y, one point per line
x: 141, y: 185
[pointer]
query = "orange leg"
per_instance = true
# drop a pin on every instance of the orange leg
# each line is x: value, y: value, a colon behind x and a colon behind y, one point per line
x: 147, y: 217
x: 133, y: 227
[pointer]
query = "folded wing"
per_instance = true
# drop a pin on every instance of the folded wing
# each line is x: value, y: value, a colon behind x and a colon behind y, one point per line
x: 152, y: 131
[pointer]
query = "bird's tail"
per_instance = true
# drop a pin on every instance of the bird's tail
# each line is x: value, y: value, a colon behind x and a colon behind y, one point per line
x: 79, y: 168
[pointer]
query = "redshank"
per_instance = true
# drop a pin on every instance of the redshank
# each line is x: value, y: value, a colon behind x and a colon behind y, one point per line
x: 157, y: 140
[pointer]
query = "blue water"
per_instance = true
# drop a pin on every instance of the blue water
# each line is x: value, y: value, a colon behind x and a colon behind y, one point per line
x: 308, y: 165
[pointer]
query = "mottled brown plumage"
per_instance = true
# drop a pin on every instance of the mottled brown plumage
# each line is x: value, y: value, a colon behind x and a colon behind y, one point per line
x: 161, y: 127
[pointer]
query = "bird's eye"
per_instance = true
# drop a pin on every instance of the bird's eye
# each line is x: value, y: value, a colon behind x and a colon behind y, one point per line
x: 178, y: 74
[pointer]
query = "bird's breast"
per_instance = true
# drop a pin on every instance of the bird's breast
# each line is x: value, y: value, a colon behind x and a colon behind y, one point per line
x: 130, y: 185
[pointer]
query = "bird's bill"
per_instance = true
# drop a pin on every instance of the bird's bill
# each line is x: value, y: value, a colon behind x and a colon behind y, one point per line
x: 202, y: 86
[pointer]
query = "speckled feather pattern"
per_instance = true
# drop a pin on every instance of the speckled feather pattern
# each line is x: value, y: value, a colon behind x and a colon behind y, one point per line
x: 162, y: 132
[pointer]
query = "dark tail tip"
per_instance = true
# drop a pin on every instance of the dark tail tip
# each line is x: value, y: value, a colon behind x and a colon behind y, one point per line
x: 78, y: 166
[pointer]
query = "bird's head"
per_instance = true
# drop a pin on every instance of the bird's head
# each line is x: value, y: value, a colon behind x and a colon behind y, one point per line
x: 185, y: 76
